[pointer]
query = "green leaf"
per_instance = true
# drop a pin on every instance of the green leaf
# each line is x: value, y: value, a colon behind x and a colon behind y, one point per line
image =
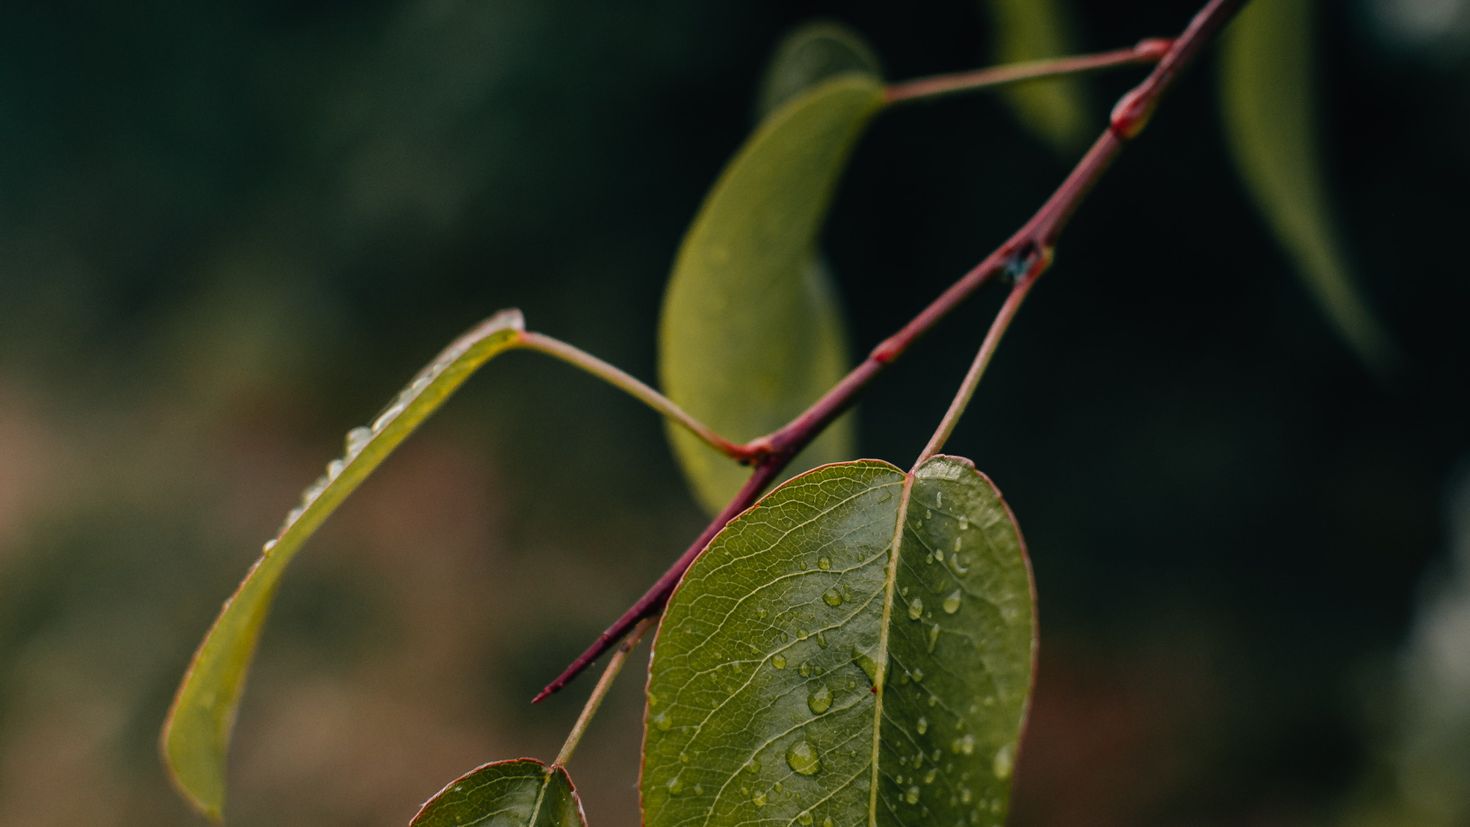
x: 751, y: 332
x: 519, y: 793
x: 1053, y: 109
x: 807, y: 673
x: 810, y: 54
x: 196, y: 735
x: 1270, y: 111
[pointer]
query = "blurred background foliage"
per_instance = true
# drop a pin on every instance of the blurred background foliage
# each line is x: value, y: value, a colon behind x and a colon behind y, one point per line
x: 230, y: 231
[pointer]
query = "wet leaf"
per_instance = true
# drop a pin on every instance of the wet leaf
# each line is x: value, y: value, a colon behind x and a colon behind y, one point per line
x: 196, y: 735
x: 519, y: 793
x: 751, y: 331
x: 806, y: 673
x: 1270, y: 112
x: 1053, y: 109
x: 810, y: 54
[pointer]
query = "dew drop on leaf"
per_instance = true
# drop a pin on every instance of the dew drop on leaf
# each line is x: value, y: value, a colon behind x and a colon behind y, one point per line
x: 778, y: 661
x: 802, y: 758
x: 1005, y: 760
x: 820, y: 700
x: 832, y: 598
x: 916, y: 608
x: 952, y: 602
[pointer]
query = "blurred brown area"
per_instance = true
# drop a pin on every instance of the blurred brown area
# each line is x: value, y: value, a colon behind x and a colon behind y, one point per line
x: 228, y: 232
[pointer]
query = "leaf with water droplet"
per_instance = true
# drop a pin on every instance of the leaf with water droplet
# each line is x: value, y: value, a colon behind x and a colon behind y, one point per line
x: 1270, y: 99
x: 1053, y: 109
x: 196, y: 735
x: 877, y: 704
x: 523, y: 792
x: 751, y: 332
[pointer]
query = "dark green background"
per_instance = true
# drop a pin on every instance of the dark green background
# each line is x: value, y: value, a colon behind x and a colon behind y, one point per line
x: 228, y: 232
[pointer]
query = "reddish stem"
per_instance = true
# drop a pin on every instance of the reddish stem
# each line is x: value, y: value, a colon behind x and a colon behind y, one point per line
x: 1146, y: 51
x: 1037, y: 236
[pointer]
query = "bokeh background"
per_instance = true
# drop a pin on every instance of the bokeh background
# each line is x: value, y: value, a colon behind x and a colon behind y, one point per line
x: 230, y: 231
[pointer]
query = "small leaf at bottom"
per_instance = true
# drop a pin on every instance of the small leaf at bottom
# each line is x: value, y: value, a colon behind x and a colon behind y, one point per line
x: 519, y: 793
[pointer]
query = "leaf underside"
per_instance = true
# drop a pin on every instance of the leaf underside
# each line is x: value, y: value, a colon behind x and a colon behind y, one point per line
x: 519, y: 793
x: 1269, y: 100
x: 805, y: 673
x: 196, y: 735
x: 751, y: 331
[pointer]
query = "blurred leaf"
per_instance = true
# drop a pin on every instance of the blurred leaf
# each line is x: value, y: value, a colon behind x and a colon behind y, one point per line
x: 1054, y: 109
x: 801, y: 660
x: 519, y: 793
x: 1270, y: 111
x: 810, y: 54
x: 751, y: 332
x: 196, y: 735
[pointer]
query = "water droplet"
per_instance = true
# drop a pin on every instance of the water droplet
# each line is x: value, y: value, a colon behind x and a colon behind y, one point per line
x: 959, y: 543
x: 821, y: 640
x: 699, y: 789
x: 918, y: 675
x: 911, y: 795
x: 916, y: 608
x: 928, y: 513
x: 683, y: 758
x: 356, y: 440
x: 805, y: 819
x: 753, y: 765
x: 802, y: 634
x: 964, y: 745
x: 778, y: 661
x: 866, y: 663
x: 824, y: 563
x: 1009, y: 614
x: 387, y: 416
x: 1005, y: 761
x: 820, y: 700
x: 960, y: 564
x: 759, y: 799
x: 939, y: 498
x: 966, y: 796
x: 832, y: 598
x: 805, y: 670
x: 778, y: 787
x: 675, y: 785
x: 933, y: 638
x: 269, y: 544
x: 952, y: 602
x: 760, y: 614
x: 802, y: 758
x: 964, y: 523
x: 932, y: 774
x: 827, y: 822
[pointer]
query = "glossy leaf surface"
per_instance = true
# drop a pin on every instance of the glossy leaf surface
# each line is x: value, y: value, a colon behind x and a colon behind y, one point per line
x: 751, y: 332
x: 810, y: 54
x: 1053, y: 109
x: 196, y: 735
x: 805, y: 673
x: 1270, y: 114
x: 519, y: 793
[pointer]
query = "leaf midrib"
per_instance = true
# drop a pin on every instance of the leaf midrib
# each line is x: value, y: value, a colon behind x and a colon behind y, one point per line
x: 880, y: 681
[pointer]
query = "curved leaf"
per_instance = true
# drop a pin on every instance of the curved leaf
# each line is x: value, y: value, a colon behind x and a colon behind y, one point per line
x: 1270, y: 115
x: 750, y: 332
x: 807, y: 673
x: 519, y: 793
x: 1054, y: 109
x: 810, y: 54
x: 196, y: 735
